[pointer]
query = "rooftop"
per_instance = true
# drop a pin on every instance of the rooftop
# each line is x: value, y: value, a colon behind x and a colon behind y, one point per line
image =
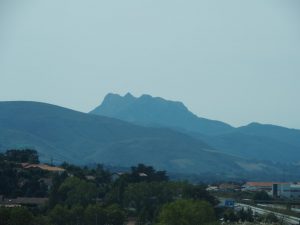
x: 42, y: 167
x: 263, y: 184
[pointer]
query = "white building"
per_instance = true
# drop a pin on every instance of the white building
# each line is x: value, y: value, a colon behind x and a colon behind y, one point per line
x: 287, y: 191
x: 260, y: 186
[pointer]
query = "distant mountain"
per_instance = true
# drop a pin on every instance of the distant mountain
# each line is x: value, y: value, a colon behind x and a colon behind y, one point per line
x: 285, y: 135
x: 255, y: 141
x: 151, y: 111
x: 81, y: 138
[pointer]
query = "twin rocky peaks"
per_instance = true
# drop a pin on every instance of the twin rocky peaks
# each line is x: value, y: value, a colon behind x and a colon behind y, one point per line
x: 155, y: 111
x: 254, y: 141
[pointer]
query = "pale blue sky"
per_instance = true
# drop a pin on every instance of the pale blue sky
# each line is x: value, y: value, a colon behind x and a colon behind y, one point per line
x: 236, y: 60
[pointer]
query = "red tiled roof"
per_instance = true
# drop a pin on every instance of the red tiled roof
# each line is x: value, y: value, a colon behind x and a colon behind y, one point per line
x: 43, y: 167
x: 263, y: 184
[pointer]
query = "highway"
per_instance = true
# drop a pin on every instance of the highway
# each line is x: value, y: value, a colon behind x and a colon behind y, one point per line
x: 286, y: 218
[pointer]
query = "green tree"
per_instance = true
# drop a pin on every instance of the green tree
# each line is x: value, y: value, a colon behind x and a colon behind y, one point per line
x: 147, y: 198
x: 60, y: 215
x: 115, y: 215
x: 76, y: 214
x: 95, y: 215
x: 77, y: 191
x: 20, y: 216
x: 198, y: 192
x: 245, y: 215
x: 187, y: 212
x: 143, y: 173
x: 270, y: 218
x: 261, y: 196
x: 230, y: 216
x: 4, y: 216
x: 41, y: 220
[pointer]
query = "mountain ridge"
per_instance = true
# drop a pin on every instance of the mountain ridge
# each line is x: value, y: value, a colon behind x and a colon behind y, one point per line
x: 146, y: 109
x: 83, y: 138
x: 255, y: 140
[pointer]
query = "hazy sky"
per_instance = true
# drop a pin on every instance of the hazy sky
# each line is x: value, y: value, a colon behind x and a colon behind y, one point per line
x: 236, y: 60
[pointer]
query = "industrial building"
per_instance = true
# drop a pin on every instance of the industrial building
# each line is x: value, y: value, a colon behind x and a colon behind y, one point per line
x: 260, y: 186
x: 282, y: 190
x: 286, y: 191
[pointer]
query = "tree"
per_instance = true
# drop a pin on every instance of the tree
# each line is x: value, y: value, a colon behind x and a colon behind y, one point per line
x: 261, y: 196
x: 230, y: 216
x: 4, y: 216
x: 247, y: 215
x: 143, y: 173
x: 187, y: 212
x: 115, y: 215
x: 95, y: 214
x: 76, y: 191
x: 147, y: 198
x: 198, y: 192
x: 271, y: 218
x: 60, y: 215
x: 20, y: 216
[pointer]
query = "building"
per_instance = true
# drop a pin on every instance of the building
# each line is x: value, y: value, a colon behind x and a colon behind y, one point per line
x: 229, y: 187
x: 260, y: 186
x: 43, y: 167
x: 212, y: 188
x: 17, y: 202
x: 286, y: 191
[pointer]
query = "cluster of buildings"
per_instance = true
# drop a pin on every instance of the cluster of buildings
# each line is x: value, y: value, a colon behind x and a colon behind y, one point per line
x: 31, y: 201
x: 277, y: 190
x: 282, y: 190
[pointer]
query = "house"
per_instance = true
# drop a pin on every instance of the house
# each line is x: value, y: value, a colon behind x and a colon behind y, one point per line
x: 43, y: 167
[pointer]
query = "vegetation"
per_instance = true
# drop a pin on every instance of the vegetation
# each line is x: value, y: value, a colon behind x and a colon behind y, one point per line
x: 261, y: 196
x: 186, y: 212
x: 17, y: 182
x: 83, y: 195
x: 242, y: 215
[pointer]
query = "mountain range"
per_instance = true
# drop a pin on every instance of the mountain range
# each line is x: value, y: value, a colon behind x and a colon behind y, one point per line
x: 125, y: 131
x: 254, y: 141
x: 83, y: 138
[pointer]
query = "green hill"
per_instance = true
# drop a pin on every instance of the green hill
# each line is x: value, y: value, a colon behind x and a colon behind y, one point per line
x: 255, y: 141
x: 84, y: 138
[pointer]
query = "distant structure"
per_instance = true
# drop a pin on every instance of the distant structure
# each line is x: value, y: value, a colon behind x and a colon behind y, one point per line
x: 260, y: 186
x: 280, y: 190
x: 286, y: 191
x: 43, y: 167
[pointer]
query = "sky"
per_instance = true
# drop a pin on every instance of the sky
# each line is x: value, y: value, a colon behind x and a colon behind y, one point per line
x: 234, y: 61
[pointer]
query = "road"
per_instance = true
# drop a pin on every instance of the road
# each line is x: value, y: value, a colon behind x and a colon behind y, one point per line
x: 286, y: 218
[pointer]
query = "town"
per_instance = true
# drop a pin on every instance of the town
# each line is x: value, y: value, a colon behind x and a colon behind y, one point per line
x: 38, y: 186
